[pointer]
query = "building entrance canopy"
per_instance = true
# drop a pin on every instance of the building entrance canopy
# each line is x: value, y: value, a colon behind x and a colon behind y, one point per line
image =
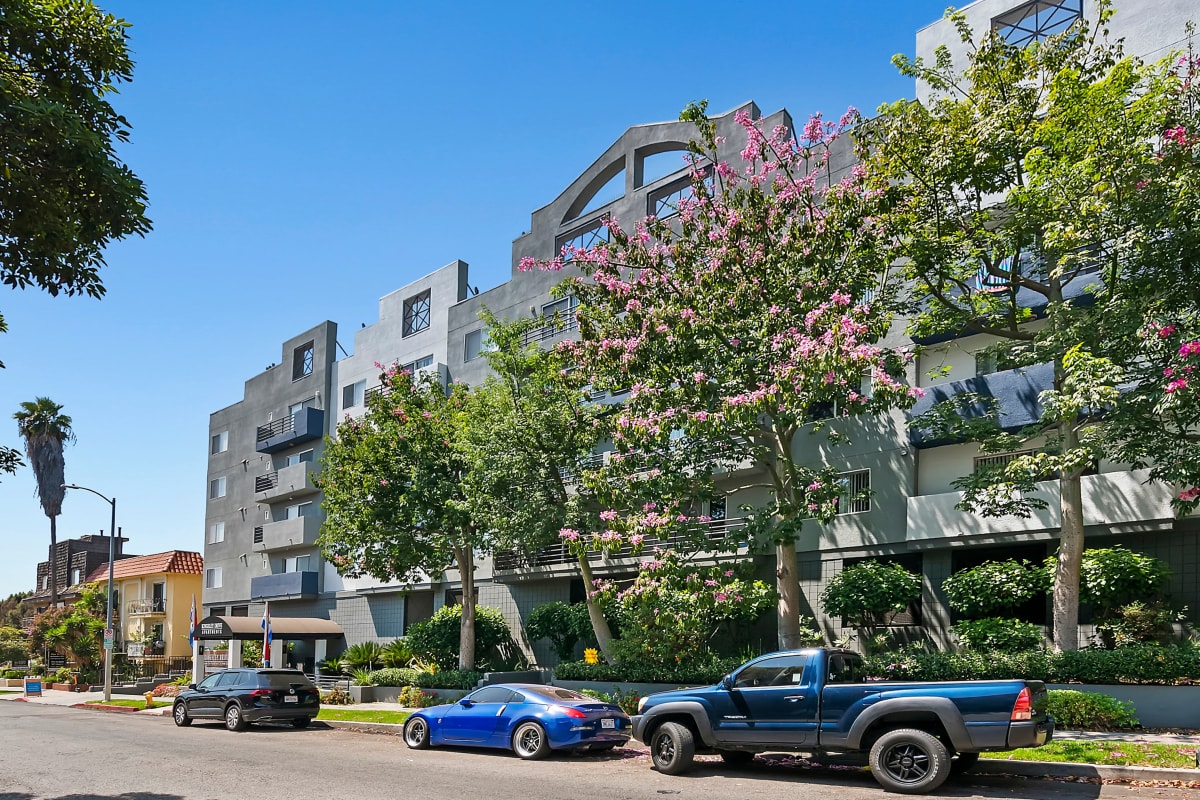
x: 308, y: 629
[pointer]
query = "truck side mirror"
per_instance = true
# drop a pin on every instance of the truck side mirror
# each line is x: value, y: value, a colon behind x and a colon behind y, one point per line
x: 727, y: 682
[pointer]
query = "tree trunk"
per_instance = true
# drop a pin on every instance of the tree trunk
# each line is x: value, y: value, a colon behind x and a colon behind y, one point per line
x: 54, y: 561
x: 466, y: 631
x: 595, y: 613
x: 1070, y: 553
x: 787, y: 583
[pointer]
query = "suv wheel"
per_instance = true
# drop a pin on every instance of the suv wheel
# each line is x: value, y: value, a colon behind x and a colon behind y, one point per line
x: 233, y: 718
x: 180, y: 715
x: 671, y: 748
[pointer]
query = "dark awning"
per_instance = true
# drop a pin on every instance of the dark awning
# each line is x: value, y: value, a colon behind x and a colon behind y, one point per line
x: 281, y: 628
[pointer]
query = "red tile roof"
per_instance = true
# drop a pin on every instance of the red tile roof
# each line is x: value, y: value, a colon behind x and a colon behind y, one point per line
x: 182, y: 561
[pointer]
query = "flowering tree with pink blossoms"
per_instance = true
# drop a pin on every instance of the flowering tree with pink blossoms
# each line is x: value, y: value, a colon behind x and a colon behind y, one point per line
x: 742, y: 327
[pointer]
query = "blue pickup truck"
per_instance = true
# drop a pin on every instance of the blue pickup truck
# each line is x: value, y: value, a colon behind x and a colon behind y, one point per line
x: 915, y: 735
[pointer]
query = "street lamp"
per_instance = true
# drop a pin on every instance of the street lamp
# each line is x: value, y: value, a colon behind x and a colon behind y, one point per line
x: 108, y: 625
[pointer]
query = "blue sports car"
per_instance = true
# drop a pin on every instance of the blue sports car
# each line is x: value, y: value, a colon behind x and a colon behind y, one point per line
x: 528, y: 719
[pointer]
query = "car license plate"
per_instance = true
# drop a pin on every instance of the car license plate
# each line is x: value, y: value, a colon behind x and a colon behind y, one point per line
x: 291, y: 699
x: 608, y: 723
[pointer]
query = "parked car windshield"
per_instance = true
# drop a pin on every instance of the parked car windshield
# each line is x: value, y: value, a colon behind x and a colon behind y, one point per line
x: 282, y: 679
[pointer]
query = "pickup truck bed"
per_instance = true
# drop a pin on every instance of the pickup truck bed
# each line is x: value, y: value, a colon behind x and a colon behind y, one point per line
x: 915, y: 734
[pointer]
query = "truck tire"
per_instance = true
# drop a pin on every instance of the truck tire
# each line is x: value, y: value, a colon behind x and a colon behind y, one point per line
x: 671, y: 748
x: 962, y: 763
x: 909, y: 761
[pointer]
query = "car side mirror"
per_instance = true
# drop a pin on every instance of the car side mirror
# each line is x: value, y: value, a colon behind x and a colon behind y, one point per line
x: 465, y: 703
x: 727, y: 682
x: 191, y: 686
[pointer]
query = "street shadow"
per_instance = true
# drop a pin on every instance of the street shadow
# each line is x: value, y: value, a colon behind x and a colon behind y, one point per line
x: 122, y: 796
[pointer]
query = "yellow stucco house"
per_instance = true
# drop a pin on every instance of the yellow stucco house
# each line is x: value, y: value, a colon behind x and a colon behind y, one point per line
x: 154, y: 598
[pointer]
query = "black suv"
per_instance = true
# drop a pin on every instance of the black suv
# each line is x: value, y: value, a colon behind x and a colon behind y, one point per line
x: 242, y: 696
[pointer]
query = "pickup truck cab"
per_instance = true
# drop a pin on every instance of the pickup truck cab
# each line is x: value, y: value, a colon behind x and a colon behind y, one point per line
x: 815, y: 700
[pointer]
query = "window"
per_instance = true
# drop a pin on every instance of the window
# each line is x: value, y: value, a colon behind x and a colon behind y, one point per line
x: 1036, y: 20
x: 220, y: 443
x: 416, y: 313
x: 216, y: 488
x: 216, y: 533
x: 76, y: 577
x: 717, y: 508
x: 302, y: 361
x: 596, y: 233
x: 212, y: 578
x: 296, y: 408
x: 856, y: 492
x: 994, y: 359
x: 239, y: 611
x: 845, y: 668
x: 665, y: 202
x: 492, y: 694
x: 45, y: 581
x: 299, y: 510
x: 354, y: 394
x: 998, y: 462
x: 778, y: 671
x: 477, y: 343
x: 421, y: 363
x: 296, y: 564
x: 298, y: 458
x: 211, y: 681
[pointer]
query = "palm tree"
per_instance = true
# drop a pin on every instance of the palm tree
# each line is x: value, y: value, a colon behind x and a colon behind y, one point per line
x: 45, y: 430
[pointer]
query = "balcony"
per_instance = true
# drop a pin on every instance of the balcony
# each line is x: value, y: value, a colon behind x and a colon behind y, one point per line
x: 304, y: 426
x: 294, y: 481
x: 148, y: 608
x: 287, y: 534
x: 1016, y: 391
x: 285, y: 585
x: 557, y: 554
x: 1115, y: 500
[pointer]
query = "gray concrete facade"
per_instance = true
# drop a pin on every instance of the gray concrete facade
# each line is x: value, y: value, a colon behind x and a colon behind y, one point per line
x: 911, y: 516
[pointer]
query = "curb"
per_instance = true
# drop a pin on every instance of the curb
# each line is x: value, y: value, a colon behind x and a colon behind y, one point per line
x: 1064, y: 769
x: 102, y: 707
x: 392, y: 728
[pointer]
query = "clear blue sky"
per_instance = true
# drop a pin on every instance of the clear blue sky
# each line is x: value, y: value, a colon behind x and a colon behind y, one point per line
x: 305, y: 158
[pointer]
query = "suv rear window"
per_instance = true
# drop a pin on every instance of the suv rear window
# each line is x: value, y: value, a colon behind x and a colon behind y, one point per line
x: 282, y: 679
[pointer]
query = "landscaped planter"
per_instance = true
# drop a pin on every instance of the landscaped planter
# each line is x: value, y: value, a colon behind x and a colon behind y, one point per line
x: 391, y: 694
x: 14, y: 682
x: 1155, y: 706
x: 640, y: 689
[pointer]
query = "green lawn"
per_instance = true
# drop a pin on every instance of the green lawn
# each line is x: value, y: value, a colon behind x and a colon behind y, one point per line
x: 122, y: 702
x: 1110, y: 754
x: 361, y: 715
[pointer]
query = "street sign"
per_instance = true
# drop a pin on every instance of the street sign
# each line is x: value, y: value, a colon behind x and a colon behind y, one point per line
x: 108, y: 638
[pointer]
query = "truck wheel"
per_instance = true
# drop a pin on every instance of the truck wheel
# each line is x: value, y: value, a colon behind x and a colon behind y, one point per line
x: 671, y: 748
x: 963, y: 762
x: 909, y: 761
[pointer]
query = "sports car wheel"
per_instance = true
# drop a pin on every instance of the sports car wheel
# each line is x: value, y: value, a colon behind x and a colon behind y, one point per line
x: 671, y: 748
x: 529, y: 741
x: 233, y: 718
x: 909, y: 761
x: 180, y: 715
x: 416, y: 733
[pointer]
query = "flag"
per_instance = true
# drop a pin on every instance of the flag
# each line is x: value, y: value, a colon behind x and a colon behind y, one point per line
x: 192, y: 623
x: 266, y: 626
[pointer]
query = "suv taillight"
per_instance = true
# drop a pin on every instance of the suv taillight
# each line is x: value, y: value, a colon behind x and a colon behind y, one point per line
x: 261, y: 693
x: 1023, y: 708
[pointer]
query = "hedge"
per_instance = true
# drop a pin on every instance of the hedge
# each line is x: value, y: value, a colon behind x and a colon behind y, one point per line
x: 646, y: 673
x: 1136, y: 664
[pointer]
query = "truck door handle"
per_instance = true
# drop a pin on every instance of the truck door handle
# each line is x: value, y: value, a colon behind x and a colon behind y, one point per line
x: 794, y: 698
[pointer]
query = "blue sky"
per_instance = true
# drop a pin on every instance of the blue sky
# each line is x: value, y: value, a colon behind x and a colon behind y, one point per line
x: 305, y: 158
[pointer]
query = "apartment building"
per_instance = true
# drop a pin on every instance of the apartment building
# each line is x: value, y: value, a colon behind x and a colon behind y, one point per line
x: 264, y: 509
x: 153, y: 596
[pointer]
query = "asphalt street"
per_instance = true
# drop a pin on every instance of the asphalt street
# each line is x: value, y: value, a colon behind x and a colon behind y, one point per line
x: 72, y: 754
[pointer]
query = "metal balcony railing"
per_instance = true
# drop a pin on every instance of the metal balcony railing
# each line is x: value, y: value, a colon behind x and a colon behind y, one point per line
x: 145, y: 607
x: 555, y: 554
x: 285, y: 424
x: 551, y: 328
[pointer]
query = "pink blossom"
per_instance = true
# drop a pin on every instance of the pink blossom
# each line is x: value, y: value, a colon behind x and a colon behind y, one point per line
x: 728, y: 573
x: 1166, y: 330
x: 608, y: 515
x: 1178, y: 383
x: 1187, y: 495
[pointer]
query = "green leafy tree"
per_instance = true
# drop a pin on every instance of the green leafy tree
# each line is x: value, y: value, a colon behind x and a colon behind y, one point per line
x: 14, y: 644
x: 13, y: 610
x: 738, y: 325
x: 995, y: 586
x: 1005, y: 191
x: 396, y: 491
x: 45, y: 430
x: 64, y: 193
x: 864, y: 594
x: 75, y: 632
x: 437, y: 638
x: 561, y: 623
x: 533, y: 439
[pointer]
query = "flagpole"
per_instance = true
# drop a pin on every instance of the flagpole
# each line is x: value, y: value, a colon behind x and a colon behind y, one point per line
x: 197, y: 664
x: 266, y: 649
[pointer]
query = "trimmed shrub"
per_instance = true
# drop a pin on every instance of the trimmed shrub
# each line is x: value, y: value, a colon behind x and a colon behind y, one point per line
x: 337, y: 696
x: 1112, y: 576
x: 449, y: 679
x: 396, y: 654
x: 864, y: 593
x: 412, y: 697
x: 994, y: 633
x: 1139, y: 622
x: 393, y: 676
x: 563, y: 624
x: 640, y: 672
x: 437, y: 638
x: 1090, y: 711
x: 995, y: 586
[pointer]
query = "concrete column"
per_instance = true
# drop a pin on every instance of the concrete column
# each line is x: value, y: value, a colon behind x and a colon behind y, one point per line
x: 197, y: 662
x: 235, y: 653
